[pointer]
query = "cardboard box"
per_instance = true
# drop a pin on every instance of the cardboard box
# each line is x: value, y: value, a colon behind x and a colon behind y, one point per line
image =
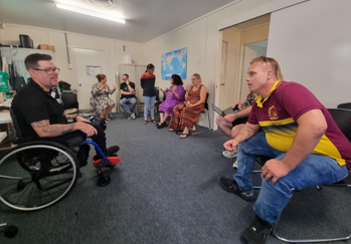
x: 46, y: 47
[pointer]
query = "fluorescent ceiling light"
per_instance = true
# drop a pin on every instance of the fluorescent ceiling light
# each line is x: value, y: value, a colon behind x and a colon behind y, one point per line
x: 87, y: 12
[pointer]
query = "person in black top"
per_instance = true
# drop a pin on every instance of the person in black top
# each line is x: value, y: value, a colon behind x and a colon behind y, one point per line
x: 39, y: 110
x: 128, y: 96
x: 147, y: 81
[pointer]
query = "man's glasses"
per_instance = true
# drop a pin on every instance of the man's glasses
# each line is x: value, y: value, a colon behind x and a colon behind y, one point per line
x: 49, y: 71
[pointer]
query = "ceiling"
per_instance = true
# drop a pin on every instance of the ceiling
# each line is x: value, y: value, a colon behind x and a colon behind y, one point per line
x: 145, y: 19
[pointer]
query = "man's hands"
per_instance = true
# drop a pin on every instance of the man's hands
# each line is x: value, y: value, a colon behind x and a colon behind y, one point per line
x: 230, y: 117
x: 276, y: 169
x: 86, y: 128
x: 81, y: 119
x: 238, y: 105
x: 231, y: 145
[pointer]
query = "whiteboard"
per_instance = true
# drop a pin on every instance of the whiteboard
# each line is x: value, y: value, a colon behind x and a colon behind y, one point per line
x: 312, y: 43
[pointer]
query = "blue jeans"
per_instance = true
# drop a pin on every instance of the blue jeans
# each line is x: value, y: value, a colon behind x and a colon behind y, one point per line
x: 124, y: 104
x: 149, y: 102
x: 312, y: 171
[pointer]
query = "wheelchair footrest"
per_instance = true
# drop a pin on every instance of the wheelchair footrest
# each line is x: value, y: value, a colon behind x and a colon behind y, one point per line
x: 111, y: 161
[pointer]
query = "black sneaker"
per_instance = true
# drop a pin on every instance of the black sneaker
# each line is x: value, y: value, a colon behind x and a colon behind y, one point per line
x: 232, y: 187
x: 257, y: 232
x: 111, y: 151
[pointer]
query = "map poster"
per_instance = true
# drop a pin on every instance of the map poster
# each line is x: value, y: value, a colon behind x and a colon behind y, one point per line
x: 174, y: 62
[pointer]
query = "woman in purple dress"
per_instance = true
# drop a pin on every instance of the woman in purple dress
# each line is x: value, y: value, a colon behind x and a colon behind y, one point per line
x: 175, y: 95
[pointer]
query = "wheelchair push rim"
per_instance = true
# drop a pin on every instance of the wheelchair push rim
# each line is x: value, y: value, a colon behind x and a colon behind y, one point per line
x: 49, y: 179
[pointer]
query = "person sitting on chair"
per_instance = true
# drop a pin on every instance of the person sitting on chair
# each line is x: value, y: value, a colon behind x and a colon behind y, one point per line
x: 128, y: 96
x: 40, y: 113
x: 307, y: 146
x: 100, y: 97
x: 231, y: 124
x: 185, y: 115
x: 175, y: 95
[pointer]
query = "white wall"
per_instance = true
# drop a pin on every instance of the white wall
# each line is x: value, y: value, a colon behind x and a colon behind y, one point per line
x: 312, y: 43
x: 201, y: 38
x: 113, y: 48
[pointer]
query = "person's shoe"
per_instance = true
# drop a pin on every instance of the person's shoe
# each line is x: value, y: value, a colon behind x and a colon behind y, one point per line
x: 232, y: 187
x: 235, y: 164
x: 132, y: 116
x: 111, y: 151
x: 229, y: 154
x: 114, y: 159
x: 164, y: 124
x: 257, y: 232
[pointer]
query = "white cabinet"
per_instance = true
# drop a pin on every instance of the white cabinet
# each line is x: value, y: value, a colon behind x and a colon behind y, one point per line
x: 21, y: 53
x: 134, y: 72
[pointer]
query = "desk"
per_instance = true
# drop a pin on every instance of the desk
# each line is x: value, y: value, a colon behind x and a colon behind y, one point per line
x: 5, y: 118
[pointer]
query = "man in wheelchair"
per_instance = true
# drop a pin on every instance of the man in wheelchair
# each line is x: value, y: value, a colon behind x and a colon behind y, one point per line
x: 307, y: 146
x: 40, y: 113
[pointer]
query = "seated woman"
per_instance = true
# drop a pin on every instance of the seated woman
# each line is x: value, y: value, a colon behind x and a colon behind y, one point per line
x: 185, y: 115
x: 100, y: 97
x: 175, y: 95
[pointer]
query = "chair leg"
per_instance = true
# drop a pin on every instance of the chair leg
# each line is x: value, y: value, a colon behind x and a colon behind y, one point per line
x: 274, y: 233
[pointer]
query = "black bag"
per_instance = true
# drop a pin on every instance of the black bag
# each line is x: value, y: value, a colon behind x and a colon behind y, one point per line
x: 26, y: 41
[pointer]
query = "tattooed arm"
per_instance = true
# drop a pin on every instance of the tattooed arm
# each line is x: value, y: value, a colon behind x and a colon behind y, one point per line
x: 44, y: 129
x: 247, y: 132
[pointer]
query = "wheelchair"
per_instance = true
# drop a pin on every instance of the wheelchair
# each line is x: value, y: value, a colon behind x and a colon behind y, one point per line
x: 37, y: 174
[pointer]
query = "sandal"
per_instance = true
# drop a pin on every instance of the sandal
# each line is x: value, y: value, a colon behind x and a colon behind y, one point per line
x: 145, y: 122
x: 183, y: 134
x: 154, y: 121
x: 171, y: 130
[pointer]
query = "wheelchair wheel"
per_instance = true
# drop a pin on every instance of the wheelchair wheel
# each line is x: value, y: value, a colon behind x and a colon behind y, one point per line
x: 36, y: 175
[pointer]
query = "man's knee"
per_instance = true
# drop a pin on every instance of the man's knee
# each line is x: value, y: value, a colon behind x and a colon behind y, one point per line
x: 133, y: 101
x: 283, y: 186
x: 219, y: 120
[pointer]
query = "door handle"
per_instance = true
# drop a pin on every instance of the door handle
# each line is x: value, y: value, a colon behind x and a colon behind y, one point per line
x: 222, y: 84
x: 80, y: 84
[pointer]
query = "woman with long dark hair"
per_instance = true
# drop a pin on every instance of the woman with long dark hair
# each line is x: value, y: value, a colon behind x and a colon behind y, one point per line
x: 147, y: 82
x: 175, y: 95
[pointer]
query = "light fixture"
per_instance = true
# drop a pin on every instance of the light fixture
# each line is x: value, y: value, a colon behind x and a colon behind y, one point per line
x: 88, y: 12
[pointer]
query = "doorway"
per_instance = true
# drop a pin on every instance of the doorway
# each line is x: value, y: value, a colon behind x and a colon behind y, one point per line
x: 251, y: 51
x: 89, y: 63
x: 242, y: 43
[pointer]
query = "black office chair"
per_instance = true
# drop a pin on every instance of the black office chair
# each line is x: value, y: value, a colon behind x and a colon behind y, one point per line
x: 345, y: 105
x: 206, y: 111
x: 70, y: 102
x: 342, y: 117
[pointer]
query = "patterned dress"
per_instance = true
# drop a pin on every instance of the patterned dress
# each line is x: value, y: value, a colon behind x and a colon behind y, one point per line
x: 186, y: 117
x: 100, y: 98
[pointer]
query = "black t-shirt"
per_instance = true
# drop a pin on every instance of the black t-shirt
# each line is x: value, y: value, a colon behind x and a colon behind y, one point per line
x: 125, y: 88
x: 33, y: 104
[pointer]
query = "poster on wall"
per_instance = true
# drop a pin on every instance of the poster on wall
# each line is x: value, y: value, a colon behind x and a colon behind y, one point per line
x: 174, y: 62
x: 93, y: 70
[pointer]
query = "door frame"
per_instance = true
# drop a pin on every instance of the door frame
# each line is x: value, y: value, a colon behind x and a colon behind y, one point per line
x: 73, y: 55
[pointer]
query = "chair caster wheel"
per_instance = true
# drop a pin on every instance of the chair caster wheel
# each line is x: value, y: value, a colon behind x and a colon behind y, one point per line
x: 104, y: 180
x: 11, y: 231
x: 21, y: 185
